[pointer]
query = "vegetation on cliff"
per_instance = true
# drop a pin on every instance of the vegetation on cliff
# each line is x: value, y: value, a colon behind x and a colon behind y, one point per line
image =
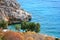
x: 25, y: 26
x: 3, y: 24
x: 30, y: 32
x: 18, y: 27
x: 30, y: 26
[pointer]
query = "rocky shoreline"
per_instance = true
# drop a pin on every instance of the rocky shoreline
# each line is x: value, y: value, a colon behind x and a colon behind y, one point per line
x: 25, y: 36
x: 10, y: 11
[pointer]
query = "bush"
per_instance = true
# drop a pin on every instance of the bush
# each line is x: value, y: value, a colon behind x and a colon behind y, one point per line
x: 3, y: 24
x: 30, y: 26
x: 18, y: 27
x: 37, y: 28
x: 24, y: 26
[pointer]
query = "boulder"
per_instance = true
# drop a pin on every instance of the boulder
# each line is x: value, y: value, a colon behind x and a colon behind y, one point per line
x: 11, y: 11
x: 9, y: 35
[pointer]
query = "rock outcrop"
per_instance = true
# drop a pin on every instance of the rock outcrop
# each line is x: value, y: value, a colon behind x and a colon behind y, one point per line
x: 10, y: 11
x: 10, y: 35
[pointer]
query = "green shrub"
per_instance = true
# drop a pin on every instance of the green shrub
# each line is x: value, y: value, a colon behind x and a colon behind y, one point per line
x: 23, y: 26
x: 3, y: 24
x: 30, y: 26
x: 18, y: 27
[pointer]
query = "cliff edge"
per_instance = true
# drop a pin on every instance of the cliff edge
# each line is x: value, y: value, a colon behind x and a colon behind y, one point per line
x: 10, y: 11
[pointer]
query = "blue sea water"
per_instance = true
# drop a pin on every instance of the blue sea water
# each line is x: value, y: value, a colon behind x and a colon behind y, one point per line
x: 46, y: 12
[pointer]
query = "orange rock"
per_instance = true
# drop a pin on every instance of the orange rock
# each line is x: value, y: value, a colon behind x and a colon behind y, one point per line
x: 29, y: 38
x: 13, y: 36
x: 49, y: 38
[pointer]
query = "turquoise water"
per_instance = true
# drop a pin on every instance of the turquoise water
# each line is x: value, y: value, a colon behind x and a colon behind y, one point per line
x: 46, y: 12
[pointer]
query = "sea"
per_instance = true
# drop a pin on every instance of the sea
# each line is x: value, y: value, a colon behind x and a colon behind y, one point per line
x: 46, y: 12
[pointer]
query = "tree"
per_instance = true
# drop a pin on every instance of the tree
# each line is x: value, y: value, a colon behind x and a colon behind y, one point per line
x: 3, y: 24
x: 30, y: 26
x: 37, y: 28
x: 34, y: 27
x: 24, y: 25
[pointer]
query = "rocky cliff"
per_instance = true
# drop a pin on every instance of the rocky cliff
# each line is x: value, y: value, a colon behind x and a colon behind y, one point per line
x: 10, y: 11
